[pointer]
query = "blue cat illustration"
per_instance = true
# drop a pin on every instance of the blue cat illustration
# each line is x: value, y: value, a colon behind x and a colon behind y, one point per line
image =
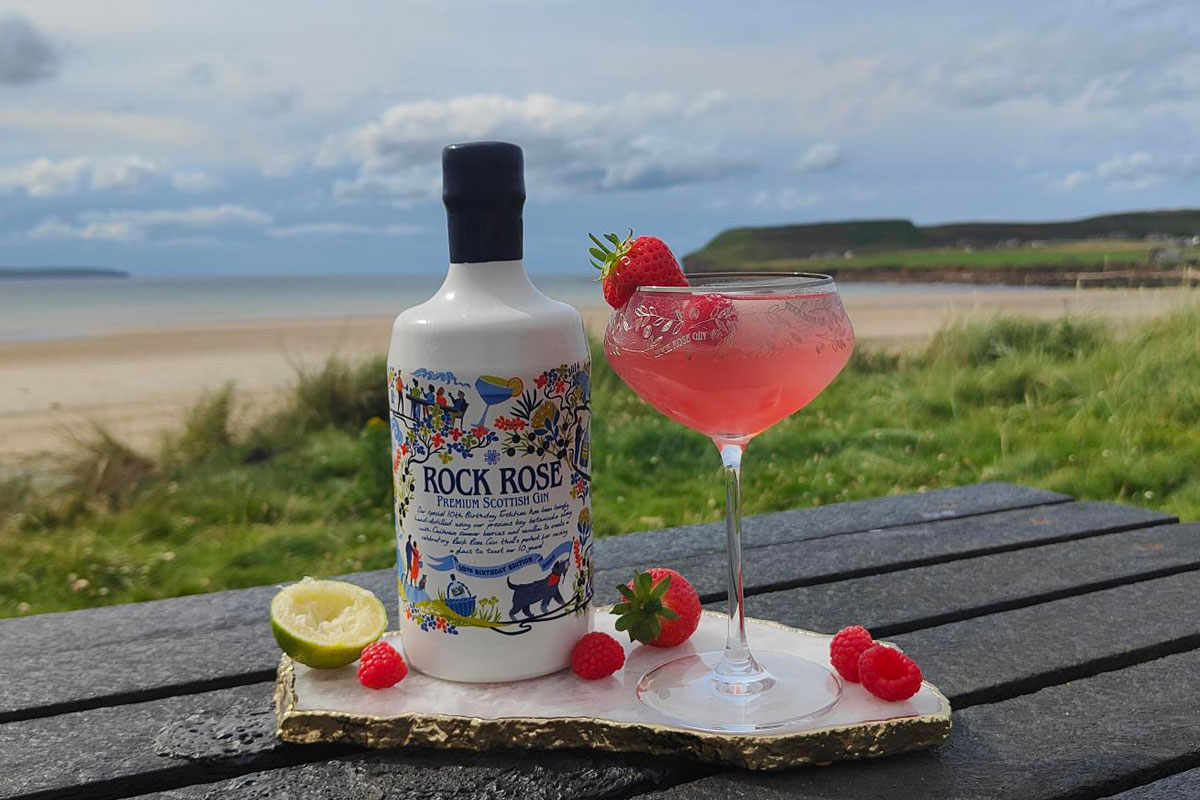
x: 526, y: 595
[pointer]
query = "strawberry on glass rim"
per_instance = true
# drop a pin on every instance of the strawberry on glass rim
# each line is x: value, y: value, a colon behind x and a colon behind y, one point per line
x: 630, y: 263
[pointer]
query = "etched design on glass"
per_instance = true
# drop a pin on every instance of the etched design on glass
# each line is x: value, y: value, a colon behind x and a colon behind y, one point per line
x: 656, y: 330
x: 704, y: 318
x: 820, y: 319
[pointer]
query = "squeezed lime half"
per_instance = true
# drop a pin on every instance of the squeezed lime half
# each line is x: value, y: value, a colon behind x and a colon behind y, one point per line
x: 326, y: 624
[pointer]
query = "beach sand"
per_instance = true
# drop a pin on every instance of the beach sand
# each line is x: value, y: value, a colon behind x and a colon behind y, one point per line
x: 138, y: 382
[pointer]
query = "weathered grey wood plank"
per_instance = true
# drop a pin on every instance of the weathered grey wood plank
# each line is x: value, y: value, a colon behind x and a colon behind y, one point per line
x: 895, y: 602
x: 838, y: 518
x: 1030, y: 648
x: 834, y: 558
x: 186, y: 659
x: 1000, y: 654
x: 1085, y: 739
x: 217, y: 610
x: 70, y: 630
x: 118, y: 751
x: 1182, y: 786
x: 440, y: 775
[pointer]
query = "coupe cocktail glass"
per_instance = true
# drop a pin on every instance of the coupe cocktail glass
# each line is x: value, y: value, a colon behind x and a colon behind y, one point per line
x: 729, y: 356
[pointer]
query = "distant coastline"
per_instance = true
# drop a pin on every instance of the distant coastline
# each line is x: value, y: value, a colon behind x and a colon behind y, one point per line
x: 61, y: 272
x: 1138, y: 248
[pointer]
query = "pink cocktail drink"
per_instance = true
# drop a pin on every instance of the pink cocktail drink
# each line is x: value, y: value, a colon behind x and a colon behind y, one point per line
x: 729, y: 356
x: 729, y: 365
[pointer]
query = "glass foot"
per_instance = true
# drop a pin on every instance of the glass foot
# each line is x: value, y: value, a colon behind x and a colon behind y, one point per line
x: 685, y: 692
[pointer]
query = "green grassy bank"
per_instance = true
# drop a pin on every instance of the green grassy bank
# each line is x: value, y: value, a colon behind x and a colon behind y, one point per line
x: 1067, y: 405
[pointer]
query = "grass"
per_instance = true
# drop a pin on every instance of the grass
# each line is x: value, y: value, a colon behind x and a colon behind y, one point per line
x: 1069, y: 405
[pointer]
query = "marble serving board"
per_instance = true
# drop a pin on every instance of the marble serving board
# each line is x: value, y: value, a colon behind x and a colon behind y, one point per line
x: 562, y: 711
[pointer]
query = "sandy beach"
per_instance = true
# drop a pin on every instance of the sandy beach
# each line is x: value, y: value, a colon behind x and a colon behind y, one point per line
x: 137, y: 382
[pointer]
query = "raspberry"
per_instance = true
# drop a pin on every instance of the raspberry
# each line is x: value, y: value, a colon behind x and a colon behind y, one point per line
x: 889, y: 674
x: 710, y: 318
x: 597, y: 655
x: 380, y: 666
x: 847, y: 645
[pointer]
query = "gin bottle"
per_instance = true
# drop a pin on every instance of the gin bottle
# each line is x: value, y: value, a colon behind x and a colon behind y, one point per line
x: 489, y: 394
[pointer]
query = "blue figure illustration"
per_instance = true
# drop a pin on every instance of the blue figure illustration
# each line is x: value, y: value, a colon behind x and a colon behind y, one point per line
x: 430, y: 401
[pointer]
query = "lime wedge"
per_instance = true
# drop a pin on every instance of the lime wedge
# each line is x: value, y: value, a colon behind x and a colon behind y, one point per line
x: 326, y: 624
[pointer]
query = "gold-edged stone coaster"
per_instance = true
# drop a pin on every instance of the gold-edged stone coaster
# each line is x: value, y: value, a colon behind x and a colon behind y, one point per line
x: 562, y: 711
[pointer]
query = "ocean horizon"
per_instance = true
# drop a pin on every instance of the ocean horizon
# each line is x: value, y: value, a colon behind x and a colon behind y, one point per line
x: 66, y: 308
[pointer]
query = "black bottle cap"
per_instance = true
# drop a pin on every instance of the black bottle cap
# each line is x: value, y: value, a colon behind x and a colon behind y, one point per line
x: 483, y: 187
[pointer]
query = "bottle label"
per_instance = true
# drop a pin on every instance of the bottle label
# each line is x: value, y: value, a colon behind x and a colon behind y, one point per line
x: 492, y: 503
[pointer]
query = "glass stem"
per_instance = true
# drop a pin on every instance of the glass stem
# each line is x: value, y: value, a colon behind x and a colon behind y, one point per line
x: 737, y: 673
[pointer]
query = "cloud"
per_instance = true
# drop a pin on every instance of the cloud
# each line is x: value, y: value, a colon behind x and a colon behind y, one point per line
x: 202, y: 75
x: 411, y: 185
x: 196, y: 182
x: 45, y: 178
x: 1142, y: 170
x: 820, y: 157
x: 75, y: 125
x: 786, y: 199
x: 26, y: 55
x: 1071, y: 180
x: 317, y: 229
x: 1098, y: 68
x: 282, y: 165
x: 274, y: 104
x: 126, y: 173
x: 1135, y: 171
x: 136, y: 226
x: 629, y: 144
x: 657, y: 163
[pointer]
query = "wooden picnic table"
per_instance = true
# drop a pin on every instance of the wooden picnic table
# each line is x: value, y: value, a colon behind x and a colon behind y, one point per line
x: 1065, y: 633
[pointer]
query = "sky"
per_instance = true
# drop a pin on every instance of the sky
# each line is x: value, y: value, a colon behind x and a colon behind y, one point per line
x: 301, y: 137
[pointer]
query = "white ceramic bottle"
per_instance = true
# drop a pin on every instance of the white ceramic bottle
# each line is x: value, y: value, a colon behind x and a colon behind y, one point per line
x: 489, y: 388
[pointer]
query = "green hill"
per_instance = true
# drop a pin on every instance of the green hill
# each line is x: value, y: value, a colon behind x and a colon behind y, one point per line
x: 61, y: 272
x: 1112, y: 238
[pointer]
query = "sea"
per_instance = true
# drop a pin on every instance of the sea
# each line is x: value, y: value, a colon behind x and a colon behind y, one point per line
x: 65, y: 308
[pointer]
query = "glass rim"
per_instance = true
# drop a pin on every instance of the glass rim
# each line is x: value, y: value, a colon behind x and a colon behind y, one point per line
x: 747, y: 282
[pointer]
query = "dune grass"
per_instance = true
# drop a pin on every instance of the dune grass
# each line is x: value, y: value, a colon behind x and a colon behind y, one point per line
x: 1068, y: 405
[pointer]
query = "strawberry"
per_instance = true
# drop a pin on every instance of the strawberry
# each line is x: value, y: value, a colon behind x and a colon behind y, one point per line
x: 644, y: 261
x: 660, y: 608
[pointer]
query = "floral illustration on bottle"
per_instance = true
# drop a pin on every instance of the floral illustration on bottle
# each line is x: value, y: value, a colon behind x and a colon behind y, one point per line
x: 493, y: 520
